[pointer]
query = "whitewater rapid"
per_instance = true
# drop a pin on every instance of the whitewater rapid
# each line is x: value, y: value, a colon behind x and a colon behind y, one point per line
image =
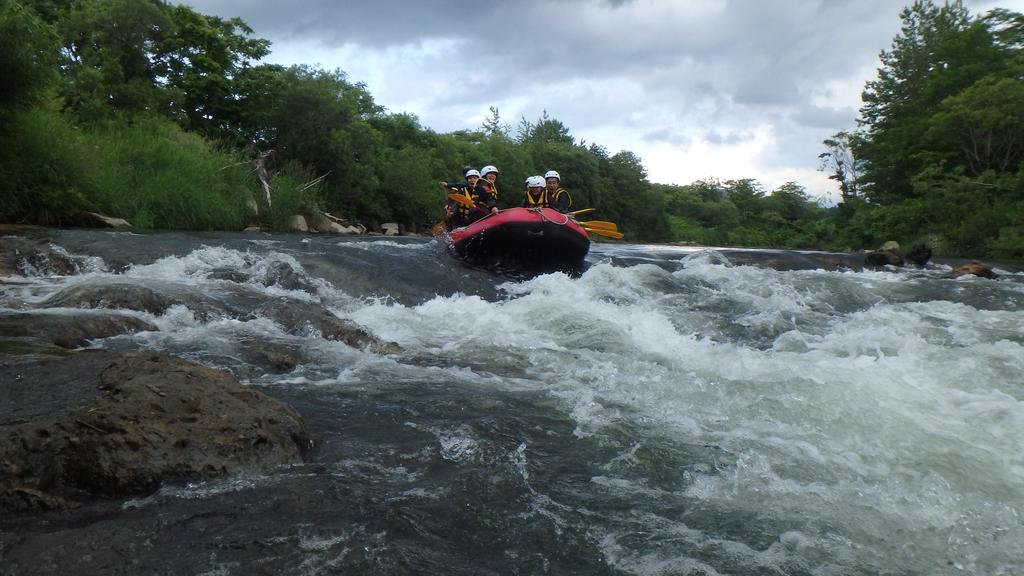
x: 756, y: 420
x: 883, y: 431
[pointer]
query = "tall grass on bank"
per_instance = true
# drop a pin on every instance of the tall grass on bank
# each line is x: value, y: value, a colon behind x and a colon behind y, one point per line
x: 44, y: 170
x: 295, y: 191
x: 158, y: 176
x: 145, y: 170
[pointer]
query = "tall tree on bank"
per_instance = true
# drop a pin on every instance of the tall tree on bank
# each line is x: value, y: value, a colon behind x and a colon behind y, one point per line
x: 939, y: 147
x: 925, y: 65
x: 200, y: 62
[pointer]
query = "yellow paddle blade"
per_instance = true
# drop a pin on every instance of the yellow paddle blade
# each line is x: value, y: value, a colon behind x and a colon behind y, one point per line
x: 608, y: 233
x: 585, y: 210
x: 603, y: 225
x: 461, y: 199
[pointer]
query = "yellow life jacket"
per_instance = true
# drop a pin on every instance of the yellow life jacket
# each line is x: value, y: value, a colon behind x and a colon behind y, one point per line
x: 540, y: 202
x: 558, y: 193
x: 464, y: 191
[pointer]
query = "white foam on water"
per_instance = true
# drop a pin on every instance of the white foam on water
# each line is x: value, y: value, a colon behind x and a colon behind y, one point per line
x: 200, y: 269
x: 857, y: 417
x: 458, y: 444
x: 374, y: 245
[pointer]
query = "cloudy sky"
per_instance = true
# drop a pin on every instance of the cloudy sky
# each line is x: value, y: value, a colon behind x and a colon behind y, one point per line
x: 696, y: 88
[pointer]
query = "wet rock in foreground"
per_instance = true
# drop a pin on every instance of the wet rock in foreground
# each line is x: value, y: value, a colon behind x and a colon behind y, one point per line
x: 97, y: 425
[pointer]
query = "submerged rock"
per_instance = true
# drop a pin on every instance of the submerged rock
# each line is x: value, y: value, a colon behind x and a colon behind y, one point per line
x: 72, y: 328
x: 68, y: 329
x: 129, y: 296
x: 97, y: 425
x: 303, y: 318
x: 32, y: 254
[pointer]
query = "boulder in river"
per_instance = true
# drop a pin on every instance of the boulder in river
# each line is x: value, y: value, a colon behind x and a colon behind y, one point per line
x: 115, y: 295
x: 889, y: 255
x: 919, y: 254
x: 95, y: 425
x: 883, y: 257
x: 974, y: 268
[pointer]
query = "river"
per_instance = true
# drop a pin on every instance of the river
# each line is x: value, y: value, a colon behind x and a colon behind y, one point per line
x: 665, y: 411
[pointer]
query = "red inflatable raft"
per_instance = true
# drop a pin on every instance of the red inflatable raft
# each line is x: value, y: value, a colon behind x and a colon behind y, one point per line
x: 533, y: 236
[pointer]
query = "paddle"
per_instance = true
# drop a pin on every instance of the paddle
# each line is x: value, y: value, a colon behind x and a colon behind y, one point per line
x: 461, y: 199
x: 585, y: 210
x: 608, y: 233
x: 601, y: 224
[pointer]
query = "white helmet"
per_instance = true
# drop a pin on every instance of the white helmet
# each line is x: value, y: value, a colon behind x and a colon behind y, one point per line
x: 472, y: 173
x: 534, y: 182
x: 487, y: 170
x: 552, y: 174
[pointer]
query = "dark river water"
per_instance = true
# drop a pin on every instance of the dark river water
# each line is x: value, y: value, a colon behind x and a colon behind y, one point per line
x: 666, y: 411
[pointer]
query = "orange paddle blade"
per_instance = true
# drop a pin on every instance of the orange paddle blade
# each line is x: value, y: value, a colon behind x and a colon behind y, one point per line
x: 461, y: 199
x: 608, y: 233
x: 603, y: 225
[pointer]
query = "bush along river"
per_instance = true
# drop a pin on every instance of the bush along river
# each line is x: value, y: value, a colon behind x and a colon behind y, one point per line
x: 257, y: 404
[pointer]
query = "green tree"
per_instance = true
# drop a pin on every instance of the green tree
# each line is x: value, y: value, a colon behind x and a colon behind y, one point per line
x: 107, y: 52
x: 982, y: 128
x: 940, y: 51
x: 28, y: 56
x: 493, y: 126
x: 546, y: 130
x: 941, y: 142
x: 200, y: 61
x: 321, y: 120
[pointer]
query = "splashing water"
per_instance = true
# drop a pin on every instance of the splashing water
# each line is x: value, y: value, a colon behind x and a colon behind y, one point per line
x: 673, y: 415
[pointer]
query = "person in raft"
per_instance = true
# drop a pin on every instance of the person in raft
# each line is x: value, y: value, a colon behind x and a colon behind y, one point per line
x: 559, y: 198
x: 547, y: 193
x: 489, y: 177
x: 481, y: 202
x: 536, y: 194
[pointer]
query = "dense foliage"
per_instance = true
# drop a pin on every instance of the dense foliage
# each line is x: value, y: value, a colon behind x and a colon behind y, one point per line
x: 153, y: 112
x: 939, y: 152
